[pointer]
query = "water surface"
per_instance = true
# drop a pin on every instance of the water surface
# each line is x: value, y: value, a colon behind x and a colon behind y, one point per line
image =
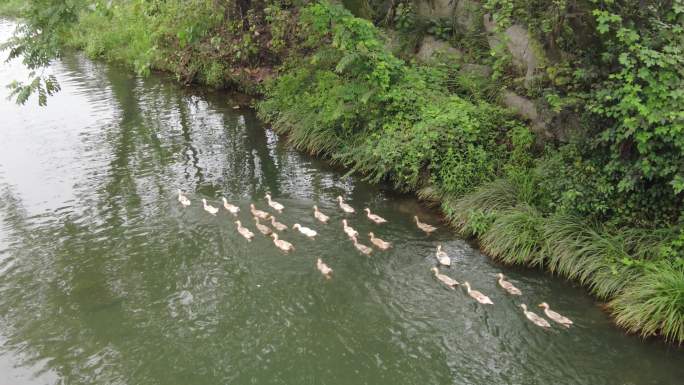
x: 105, y: 279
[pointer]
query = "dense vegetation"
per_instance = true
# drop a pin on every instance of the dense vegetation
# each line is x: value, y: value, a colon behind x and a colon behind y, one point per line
x: 599, y: 201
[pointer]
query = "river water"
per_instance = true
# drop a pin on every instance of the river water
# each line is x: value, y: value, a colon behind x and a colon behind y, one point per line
x: 106, y: 279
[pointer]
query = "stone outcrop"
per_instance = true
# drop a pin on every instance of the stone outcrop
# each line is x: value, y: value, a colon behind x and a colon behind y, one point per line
x: 436, y: 8
x: 479, y: 70
x: 527, y: 109
x: 524, y: 51
x: 465, y: 15
x: 430, y: 48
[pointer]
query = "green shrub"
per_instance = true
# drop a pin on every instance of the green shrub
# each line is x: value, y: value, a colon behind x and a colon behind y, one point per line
x: 367, y: 109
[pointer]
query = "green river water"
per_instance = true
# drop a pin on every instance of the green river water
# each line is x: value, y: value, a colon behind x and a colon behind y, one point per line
x: 106, y: 279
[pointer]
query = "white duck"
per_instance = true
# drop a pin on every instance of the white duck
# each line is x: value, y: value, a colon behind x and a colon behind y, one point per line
x: 508, y: 286
x: 537, y: 320
x: 361, y: 247
x: 263, y: 229
x: 185, y: 201
x: 349, y: 230
x: 320, y: 216
x: 258, y: 213
x: 379, y: 243
x: 230, y: 208
x: 374, y: 217
x: 424, y: 226
x: 442, y: 256
x: 345, y: 207
x: 209, y: 208
x: 281, y: 244
x: 277, y: 225
x: 479, y: 297
x: 311, y: 233
x: 244, y: 231
x: 323, y: 268
x: 555, y: 317
x: 275, y: 205
x: 444, y: 278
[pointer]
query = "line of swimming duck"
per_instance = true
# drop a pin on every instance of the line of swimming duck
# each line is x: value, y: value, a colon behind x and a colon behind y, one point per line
x: 306, y: 231
x: 443, y: 259
x: 441, y: 256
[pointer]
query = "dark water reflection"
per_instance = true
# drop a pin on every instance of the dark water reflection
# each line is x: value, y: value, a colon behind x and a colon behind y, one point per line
x: 105, y: 279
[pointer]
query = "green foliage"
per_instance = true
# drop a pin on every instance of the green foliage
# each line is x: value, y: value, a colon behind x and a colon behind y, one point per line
x: 620, y: 67
x: 354, y: 100
x: 216, y: 42
x: 641, y: 99
x: 405, y: 18
x: 42, y: 85
x: 37, y: 41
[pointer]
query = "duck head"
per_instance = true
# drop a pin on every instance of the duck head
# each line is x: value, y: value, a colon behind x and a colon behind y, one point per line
x: 225, y: 201
x: 367, y: 210
x: 371, y: 235
x: 274, y: 236
x: 268, y: 196
x: 544, y: 305
x: 344, y: 223
x: 439, y: 248
x: 339, y: 198
x: 251, y: 206
x: 238, y: 223
x: 523, y: 306
x: 467, y: 285
x: 434, y: 270
x: 296, y: 226
x: 500, y: 275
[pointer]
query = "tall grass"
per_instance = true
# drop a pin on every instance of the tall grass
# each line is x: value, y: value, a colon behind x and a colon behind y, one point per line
x: 619, y: 265
x: 578, y: 251
x: 483, y: 202
x: 514, y: 237
x: 654, y: 303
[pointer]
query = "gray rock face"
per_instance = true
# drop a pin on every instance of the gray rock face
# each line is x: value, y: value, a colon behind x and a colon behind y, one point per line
x: 465, y: 14
x: 520, y: 46
x: 526, y: 109
x: 477, y: 70
x: 436, y: 8
x: 518, y: 43
x: 430, y: 47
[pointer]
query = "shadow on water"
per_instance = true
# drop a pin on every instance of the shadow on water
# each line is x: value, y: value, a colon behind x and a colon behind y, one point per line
x: 104, y: 278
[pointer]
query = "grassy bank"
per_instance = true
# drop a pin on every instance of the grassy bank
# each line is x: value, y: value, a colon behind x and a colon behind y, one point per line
x: 420, y: 128
x: 602, y: 206
x: 12, y: 8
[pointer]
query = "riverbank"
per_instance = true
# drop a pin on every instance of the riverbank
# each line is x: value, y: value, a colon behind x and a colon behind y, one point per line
x: 339, y: 87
